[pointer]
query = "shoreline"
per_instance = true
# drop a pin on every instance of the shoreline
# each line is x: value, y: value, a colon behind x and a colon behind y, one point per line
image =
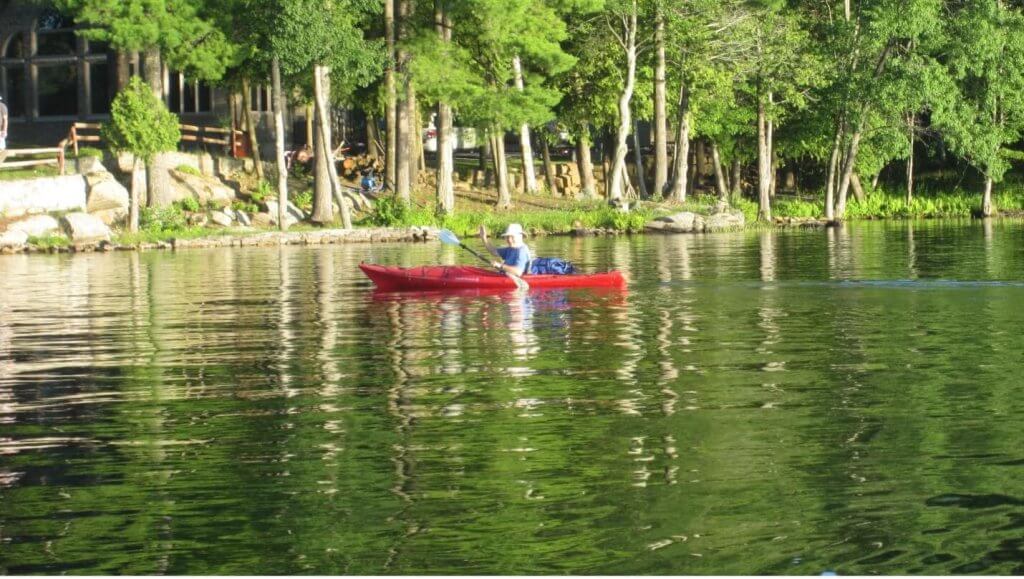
x: 408, y: 234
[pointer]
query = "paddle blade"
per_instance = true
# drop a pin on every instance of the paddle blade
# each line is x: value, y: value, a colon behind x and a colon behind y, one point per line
x: 448, y: 237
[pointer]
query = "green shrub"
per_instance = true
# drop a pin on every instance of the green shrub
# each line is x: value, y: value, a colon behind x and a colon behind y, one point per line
x: 263, y: 191
x: 798, y: 208
x: 162, y: 219
x: 140, y: 123
x: 49, y: 240
x: 303, y: 200
x: 188, y: 170
x: 389, y: 212
x: 190, y: 204
x: 249, y: 208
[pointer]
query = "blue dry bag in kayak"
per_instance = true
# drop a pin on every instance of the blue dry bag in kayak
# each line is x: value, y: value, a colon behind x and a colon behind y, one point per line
x: 551, y: 266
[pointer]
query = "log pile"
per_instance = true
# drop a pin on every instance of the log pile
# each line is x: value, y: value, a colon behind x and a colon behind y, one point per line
x: 354, y: 167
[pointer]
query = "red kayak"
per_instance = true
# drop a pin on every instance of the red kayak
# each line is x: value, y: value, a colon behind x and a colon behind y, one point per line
x: 460, y: 277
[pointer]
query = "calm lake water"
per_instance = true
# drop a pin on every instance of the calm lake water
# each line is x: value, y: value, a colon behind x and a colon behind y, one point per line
x: 754, y: 403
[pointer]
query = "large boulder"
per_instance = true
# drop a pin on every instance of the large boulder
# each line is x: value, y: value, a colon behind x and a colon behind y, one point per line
x: 292, y: 215
x: 89, y: 164
x: 84, y: 228
x: 683, y: 222
x: 724, y: 221
x: 13, y: 238
x: 222, y: 218
x: 112, y: 217
x: 263, y: 220
x: 36, y: 226
x: 208, y: 190
x: 42, y: 195
x: 104, y: 192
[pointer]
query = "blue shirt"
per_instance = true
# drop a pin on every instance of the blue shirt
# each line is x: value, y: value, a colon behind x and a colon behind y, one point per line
x: 518, y: 257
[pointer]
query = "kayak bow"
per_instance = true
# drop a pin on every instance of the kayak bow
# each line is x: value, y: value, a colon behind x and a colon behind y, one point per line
x: 460, y: 277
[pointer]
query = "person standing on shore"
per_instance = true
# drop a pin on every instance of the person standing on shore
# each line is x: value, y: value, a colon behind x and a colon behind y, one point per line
x: 3, y: 124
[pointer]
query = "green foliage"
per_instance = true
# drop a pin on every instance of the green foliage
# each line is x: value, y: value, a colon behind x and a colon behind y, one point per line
x: 389, y: 212
x: 190, y: 204
x: 303, y: 200
x: 90, y: 152
x: 49, y: 241
x: 262, y: 192
x: 140, y: 123
x: 793, y: 207
x: 188, y: 170
x: 249, y: 208
x: 162, y: 220
x: 186, y: 32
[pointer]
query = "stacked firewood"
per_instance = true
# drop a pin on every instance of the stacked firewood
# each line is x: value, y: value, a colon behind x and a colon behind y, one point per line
x: 353, y: 167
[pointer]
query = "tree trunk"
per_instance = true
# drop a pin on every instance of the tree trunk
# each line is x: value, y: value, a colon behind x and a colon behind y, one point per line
x: 445, y: 158
x: 419, y: 157
x: 607, y: 151
x: 716, y: 163
x: 445, y: 161
x: 638, y: 160
x: 660, y: 117
x: 848, y: 163
x: 373, y: 146
x: 701, y: 161
x: 691, y: 183
x: 403, y: 145
x: 549, y: 167
x: 764, y: 210
x: 154, y: 72
x: 321, y: 88
x: 403, y: 178
x: 987, y: 207
x: 250, y: 127
x: 122, y: 60
x: 133, y: 198
x: 487, y: 161
x: 586, y: 166
x: 858, y: 190
x: 391, y: 96
x: 501, y: 169
x: 910, y: 158
x: 310, y: 113
x: 680, y: 173
x: 625, y: 114
x: 323, y: 211
x: 529, y: 174
x: 735, y: 182
x: 282, y: 165
x: 833, y: 165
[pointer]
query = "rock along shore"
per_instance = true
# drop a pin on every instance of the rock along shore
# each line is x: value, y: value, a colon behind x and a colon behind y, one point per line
x: 255, y: 238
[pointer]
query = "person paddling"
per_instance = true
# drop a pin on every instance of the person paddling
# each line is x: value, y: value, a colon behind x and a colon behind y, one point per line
x: 515, y: 258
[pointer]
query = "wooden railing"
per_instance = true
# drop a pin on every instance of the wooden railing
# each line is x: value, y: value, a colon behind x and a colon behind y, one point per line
x: 44, y: 156
x: 84, y: 132
x: 201, y: 135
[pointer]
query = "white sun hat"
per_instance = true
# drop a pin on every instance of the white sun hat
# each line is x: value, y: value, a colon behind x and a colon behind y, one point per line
x: 513, y: 229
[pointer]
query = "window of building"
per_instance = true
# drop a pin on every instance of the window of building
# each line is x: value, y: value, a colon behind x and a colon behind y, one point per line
x: 187, y: 96
x: 54, y: 35
x: 14, y: 89
x: 15, y: 47
x: 59, y: 43
x: 58, y: 90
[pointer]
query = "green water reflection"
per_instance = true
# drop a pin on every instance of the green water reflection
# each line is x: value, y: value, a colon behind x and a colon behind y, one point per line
x: 773, y: 402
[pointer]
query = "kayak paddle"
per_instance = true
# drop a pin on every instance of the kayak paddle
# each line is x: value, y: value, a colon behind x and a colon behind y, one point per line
x: 449, y: 238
